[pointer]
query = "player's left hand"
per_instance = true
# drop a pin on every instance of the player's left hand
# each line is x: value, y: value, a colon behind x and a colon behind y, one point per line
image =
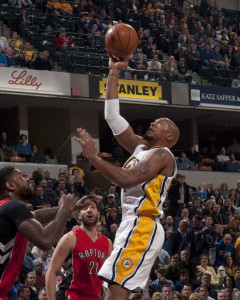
x: 88, y: 144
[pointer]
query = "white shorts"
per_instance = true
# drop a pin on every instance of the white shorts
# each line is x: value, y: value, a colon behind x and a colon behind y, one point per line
x: 136, y: 246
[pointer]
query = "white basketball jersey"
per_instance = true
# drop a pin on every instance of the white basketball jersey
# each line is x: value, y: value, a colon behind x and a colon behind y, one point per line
x: 146, y: 198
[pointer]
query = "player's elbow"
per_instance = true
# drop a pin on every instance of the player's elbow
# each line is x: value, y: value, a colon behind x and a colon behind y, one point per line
x: 44, y: 244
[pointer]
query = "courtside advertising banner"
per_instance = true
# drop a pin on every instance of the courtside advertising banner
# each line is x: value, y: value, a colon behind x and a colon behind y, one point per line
x: 139, y: 90
x: 200, y: 95
x: 35, y: 82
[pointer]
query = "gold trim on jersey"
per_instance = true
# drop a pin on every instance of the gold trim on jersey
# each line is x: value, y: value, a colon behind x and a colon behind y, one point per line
x: 149, y: 204
x: 133, y: 255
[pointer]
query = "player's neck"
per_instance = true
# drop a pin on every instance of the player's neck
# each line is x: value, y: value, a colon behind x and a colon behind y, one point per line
x: 91, y: 231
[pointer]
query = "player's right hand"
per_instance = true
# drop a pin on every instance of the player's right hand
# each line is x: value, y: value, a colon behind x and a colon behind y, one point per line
x: 68, y: 200
x: 117, y: 64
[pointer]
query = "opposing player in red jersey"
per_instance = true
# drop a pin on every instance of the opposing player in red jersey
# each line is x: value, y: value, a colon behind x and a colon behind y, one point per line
x: 18, y: 225
x: 88, y: 248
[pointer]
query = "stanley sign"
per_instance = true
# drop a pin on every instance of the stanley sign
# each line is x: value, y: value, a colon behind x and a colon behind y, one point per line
x: 134, y: 89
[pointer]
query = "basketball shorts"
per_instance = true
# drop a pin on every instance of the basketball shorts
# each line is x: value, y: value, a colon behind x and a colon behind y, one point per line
x: 136, y: 246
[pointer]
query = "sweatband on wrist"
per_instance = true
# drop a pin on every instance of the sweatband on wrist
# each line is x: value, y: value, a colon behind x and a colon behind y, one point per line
x: 115, y: 121
x: 64, y: 206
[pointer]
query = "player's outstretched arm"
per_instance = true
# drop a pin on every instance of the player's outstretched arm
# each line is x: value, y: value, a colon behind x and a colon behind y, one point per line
x: 120, y: 127
x: 159, y: 161
x: 46, y: 237
x: 64, y: 247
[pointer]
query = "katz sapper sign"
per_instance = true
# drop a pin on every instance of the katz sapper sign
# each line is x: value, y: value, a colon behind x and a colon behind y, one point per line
x: 134, y: 89
x: 213, y: 95
x: 33, y: 81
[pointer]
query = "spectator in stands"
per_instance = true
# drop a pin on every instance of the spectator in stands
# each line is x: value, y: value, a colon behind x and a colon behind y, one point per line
x: 204, y: 268
x: 227, y: 268
x: 122, y: 10
x: 64, y: 43
x: 30, y: 282
x: 222, y: 159
x: 184, y: 277
x: 217, y: 216
x: 224, y: 248
x: 234, y: 148
x: 161, y: 280
x: 235, y: 47
x: 3, y: 41
x: 65, y: 8
x: 171, y: 16
x: 206, y: 55
x: 232, y: 165
x: 42, y: 62
x: 201, y: 191
x: 140, y: 71
x: 37, y: 156
x: 3, y: 59
x: 150, y: 47
x: 111, y: 191
x: 200, y: 33
x: 218, y: 60
x: 43, y: 258
x: 170, y: 68
x: 81, y: 24
x: 53, y: 6
x: 24, y: 23
x: 230, y: 57
x: 183, y: 163
x: 193, y: 237
x: 176, y: 237
x: 172, y: 270
x: 96, y: 30
x: 80, y: 187
x: 193, y: 58
x: 224, y: 190
x: 206, y: 281
x: 186, y: 291
x: 23, y: 148
x: 11, y: 60
x: 178, y: 195
x: 23, y: 292
x: 196, y: 209
x: 113, y: 231
x: 205, y: 5
x: 18, y: 43
x: 154, y: 67
x: 48, y: 192
x: 6, y: 147
x: 194, y: 156
x: 183, y: 74
x: 28, y: 53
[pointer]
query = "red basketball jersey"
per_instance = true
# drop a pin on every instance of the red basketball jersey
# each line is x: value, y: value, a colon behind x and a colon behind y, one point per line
x: 87, y: 259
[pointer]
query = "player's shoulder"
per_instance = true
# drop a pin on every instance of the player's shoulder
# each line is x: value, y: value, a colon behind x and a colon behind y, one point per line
x: 14, y: 204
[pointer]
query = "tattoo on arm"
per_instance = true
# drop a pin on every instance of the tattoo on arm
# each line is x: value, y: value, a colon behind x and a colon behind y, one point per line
x: 141, y: 169
x: 113, y: 74
x: 161, y: 153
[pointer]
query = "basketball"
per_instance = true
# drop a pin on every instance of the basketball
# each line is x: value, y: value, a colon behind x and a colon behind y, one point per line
x: 121, y: 40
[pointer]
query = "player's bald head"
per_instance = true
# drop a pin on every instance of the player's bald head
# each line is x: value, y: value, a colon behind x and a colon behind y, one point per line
x: 174, y: 132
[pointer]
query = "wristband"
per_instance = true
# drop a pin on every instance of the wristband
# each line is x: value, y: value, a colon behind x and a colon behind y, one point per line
x: 64, y: 206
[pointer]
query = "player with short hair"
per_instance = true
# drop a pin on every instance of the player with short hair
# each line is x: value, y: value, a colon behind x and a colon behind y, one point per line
x: 18, y: 224
x: 88, y: 248
x: 145, y: 179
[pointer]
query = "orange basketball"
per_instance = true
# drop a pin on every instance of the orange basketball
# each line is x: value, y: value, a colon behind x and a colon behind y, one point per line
x: 121, y: 40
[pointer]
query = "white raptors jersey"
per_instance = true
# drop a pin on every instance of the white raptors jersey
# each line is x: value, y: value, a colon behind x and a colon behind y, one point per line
x: 146, y: 198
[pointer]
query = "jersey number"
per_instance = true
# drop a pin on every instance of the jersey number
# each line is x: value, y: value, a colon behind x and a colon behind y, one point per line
x: 93, y: 265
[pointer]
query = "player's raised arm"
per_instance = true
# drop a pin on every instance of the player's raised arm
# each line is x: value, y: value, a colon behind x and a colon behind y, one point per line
x: 120, y: 127
x: 62, y: 251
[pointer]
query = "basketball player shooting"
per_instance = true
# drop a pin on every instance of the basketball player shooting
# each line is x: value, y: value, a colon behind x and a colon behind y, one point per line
x: 144, y: 179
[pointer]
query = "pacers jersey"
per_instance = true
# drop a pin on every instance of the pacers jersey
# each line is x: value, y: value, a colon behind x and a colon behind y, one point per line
x: 87, y: 259
x: 146, y: 198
